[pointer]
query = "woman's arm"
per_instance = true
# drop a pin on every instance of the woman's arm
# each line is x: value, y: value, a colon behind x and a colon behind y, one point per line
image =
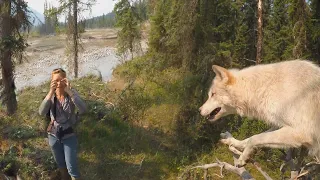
x: 44, y: 107
x: 46, y: 103
x: 78, y: 102
x: 76, y: 99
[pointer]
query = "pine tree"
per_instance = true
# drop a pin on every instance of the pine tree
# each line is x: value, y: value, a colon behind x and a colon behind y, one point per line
x: 129, y: 36
x: 299, y: 16
x: 13, y: 19
x: 246, y: 36
x: 278, y: 39
x: 218, y: 22
x: 315, y: 30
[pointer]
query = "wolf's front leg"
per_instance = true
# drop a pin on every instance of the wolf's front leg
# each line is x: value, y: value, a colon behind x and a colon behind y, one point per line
x: 285, y: 137
x: 227, y: 138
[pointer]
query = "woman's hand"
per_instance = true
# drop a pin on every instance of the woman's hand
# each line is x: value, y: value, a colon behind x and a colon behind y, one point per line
x: 53, y: 85
x: 67, y: 88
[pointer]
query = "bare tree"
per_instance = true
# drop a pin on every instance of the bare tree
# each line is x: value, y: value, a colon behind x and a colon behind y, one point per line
x: 76, y: 6
x: 260, y: 35
x: 75, y: 37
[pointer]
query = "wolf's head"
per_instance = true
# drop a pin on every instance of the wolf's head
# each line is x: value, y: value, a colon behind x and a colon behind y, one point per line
x: 219, y: 102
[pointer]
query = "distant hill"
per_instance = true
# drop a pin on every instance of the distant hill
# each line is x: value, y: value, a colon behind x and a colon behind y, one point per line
x: 36, y: 18
x: 103, y: 21
x: 106, y: 20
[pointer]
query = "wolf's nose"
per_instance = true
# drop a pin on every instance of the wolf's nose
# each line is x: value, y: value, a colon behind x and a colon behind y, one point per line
x: 199, y: 109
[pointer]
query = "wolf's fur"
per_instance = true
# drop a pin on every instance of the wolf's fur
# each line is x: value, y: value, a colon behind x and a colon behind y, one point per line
x: 285, y: 94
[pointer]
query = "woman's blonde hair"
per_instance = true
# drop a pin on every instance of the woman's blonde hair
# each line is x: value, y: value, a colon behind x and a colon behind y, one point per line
x: 59, y: 71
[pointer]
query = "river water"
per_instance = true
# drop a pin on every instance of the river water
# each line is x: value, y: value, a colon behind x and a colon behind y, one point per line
x: 95, y: 61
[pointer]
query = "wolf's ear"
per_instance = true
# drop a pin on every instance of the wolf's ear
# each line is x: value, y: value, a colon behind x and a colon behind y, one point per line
x: 223, y: 75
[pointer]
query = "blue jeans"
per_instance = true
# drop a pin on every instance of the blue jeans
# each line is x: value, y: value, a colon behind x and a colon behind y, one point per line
x: 65, y: 154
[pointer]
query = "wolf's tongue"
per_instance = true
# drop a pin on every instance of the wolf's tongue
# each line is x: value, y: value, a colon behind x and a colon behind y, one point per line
x: 213, y: 113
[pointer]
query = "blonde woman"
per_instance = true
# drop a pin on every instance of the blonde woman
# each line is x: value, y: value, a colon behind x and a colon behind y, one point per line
x: 61, y: 102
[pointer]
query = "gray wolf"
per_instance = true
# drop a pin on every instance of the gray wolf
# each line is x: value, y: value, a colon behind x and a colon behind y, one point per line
x: 285, y: 95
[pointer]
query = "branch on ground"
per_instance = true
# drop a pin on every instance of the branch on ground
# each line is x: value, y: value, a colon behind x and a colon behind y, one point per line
x: 240, y: 171
x: 307, y: 171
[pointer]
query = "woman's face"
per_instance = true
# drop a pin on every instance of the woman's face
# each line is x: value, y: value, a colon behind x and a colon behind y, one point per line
x: 58, y: 78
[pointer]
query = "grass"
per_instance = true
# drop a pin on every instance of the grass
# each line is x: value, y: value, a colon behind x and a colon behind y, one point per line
x: 110, y: 148
x: 112, y: 145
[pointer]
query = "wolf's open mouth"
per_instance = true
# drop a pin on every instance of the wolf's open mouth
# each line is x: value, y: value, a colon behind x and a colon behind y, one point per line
x: 213, y: 113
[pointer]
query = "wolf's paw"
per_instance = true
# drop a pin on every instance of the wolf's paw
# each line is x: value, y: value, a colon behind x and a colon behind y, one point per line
x: 241, y: 161
x: 226, y: 141
x: 226, y: 138
x: 226, y: 135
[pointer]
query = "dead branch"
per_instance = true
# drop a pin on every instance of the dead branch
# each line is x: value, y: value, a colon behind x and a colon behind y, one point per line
x: 104, y: 100
x: 309, y: 169
x: 207, y: 166
x: 265, y: 175
x: 242, y: 172
x: 250, y: 60
x: 140, y: 166
x: 296, y: 171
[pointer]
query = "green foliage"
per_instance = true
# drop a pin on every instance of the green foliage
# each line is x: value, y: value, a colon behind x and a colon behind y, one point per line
x: 8, y: 163
x: 21, y: 132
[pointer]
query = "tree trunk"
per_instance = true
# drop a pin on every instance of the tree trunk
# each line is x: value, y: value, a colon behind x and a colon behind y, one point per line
x: 75, y: 37
x: 260, y: 35
x: 8, y: 95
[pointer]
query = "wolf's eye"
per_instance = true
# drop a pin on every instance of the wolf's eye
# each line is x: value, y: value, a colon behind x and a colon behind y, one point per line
x: 213, y: 94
